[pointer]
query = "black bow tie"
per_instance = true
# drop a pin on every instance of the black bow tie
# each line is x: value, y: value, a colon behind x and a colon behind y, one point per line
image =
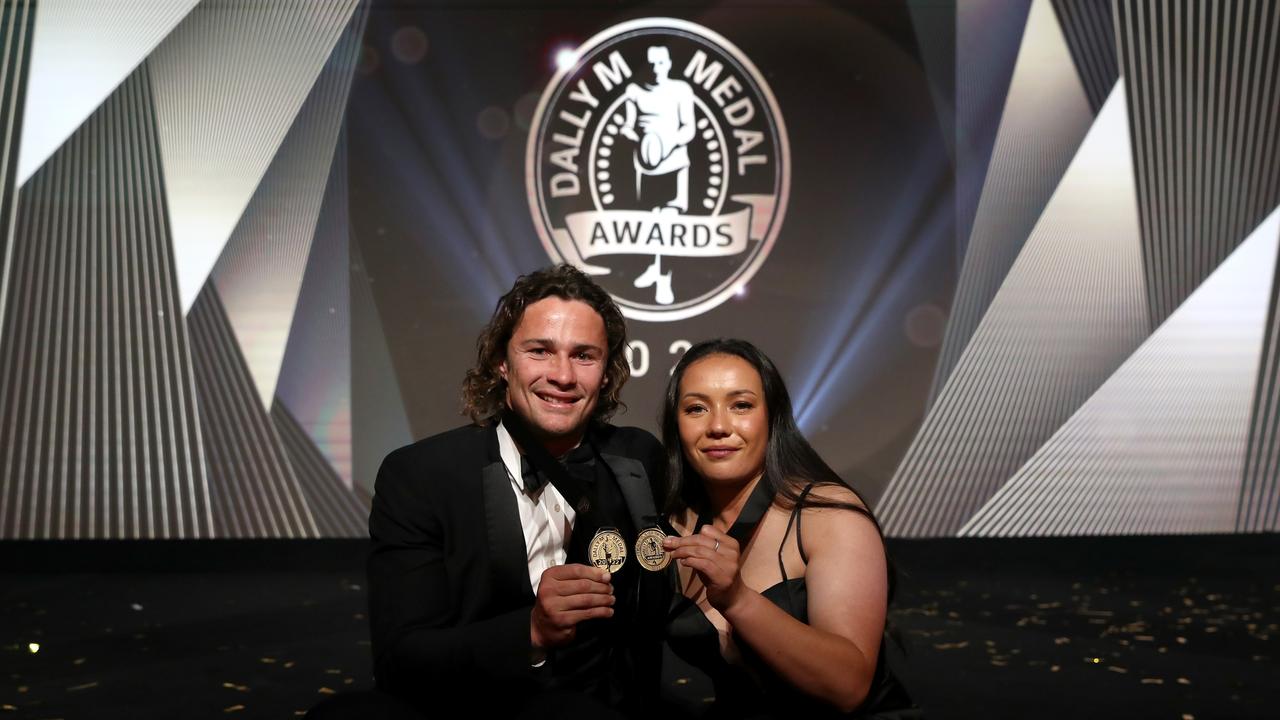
x: 579, y: 459
x: 533, y: 480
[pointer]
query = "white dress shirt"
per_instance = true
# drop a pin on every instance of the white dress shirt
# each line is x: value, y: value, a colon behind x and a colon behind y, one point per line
x: 546, y: 518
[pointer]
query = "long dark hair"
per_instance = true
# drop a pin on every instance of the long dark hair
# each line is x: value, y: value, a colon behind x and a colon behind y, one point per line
x: 484, y: 390
x: 790, y: 462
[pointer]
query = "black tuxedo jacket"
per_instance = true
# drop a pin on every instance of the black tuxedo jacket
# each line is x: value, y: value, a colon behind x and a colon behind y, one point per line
x: 449, y: 592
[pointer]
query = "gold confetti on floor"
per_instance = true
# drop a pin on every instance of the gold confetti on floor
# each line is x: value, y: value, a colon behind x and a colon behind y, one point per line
x: 86, y: 686
x: 1183, y: 681
x: 327, y: 691
x: 1152, y: 681
x: 233, y: 708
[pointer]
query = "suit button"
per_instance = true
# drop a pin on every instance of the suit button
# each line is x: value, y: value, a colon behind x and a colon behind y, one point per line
x: 557, y: 508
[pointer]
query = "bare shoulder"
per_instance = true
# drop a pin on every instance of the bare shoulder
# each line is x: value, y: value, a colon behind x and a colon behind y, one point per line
x: 847, y: 523
x: 836, y: 505
x: 831, y: 493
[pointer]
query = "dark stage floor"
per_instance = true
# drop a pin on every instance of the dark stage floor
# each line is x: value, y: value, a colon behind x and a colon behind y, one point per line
x: 1121, y: 627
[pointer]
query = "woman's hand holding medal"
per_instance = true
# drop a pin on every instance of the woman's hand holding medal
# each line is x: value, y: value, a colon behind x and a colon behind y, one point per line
x: 714, y: 556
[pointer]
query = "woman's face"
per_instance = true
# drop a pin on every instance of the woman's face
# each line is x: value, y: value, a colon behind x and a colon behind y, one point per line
x: 723, y: 421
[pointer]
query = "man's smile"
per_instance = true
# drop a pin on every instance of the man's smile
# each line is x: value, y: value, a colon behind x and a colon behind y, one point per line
x: 557, y: 400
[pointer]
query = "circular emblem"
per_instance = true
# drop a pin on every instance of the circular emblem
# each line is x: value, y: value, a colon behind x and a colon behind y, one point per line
x: 649, y: 550
x: 658, y: 162
x: 607, y: 549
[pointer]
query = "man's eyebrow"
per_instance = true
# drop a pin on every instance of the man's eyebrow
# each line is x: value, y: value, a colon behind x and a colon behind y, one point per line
x: 548, y: 341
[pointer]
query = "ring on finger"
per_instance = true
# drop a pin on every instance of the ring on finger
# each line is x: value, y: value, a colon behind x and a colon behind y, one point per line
x: 717, y: 547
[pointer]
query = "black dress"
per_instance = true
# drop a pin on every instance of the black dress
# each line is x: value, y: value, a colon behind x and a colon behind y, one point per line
x: 752, y: 690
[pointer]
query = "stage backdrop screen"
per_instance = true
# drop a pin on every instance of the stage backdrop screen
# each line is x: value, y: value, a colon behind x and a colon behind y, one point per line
x: 1015, y: 258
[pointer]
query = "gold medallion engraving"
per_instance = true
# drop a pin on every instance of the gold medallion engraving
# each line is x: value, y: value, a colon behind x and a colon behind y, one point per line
x: 649, y: 551
x: 608, y: 550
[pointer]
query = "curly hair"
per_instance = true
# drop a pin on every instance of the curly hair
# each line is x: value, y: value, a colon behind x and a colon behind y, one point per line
x: 484, y: 390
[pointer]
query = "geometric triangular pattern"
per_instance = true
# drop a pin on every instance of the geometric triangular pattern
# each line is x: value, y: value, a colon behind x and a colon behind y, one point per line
x: 100, y: 434
x: 379, y: 423
x: 1203, y: 82
x: 1091, y: 35
x: 338, y: 511
x: 83, y: 50
x: 315, y: 379
x: 934, y: 26
x: 1070, y: 311
x: 254, y: 488
x: 1046, y: 114
x: 17, y: 20
x: 256, y: 63
x: 988, y: 36
x: 1160, y: 447
x: 259, y: 273
x: 1259, y: 506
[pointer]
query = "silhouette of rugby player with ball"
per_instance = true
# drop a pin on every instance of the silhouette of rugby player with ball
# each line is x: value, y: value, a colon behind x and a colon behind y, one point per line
x: 662, y: 113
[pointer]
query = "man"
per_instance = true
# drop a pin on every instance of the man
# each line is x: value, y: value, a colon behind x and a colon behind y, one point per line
x: 480, y: 587
x: 663, y: 111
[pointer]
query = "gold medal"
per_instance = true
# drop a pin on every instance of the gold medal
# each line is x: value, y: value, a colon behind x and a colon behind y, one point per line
x: 649, y: 551
x: 608, y: 550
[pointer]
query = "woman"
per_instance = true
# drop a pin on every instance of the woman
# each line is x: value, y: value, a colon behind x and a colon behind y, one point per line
x: 781, y: 566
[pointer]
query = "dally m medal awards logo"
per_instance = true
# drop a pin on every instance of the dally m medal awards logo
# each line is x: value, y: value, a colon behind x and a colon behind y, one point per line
x: 658, y: 162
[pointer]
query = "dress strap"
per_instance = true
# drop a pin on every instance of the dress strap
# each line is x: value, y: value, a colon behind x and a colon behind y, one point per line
x: 794, y: 520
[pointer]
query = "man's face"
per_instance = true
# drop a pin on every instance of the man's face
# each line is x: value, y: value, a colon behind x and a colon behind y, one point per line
x: 660, y: 62
x: 554, y: 369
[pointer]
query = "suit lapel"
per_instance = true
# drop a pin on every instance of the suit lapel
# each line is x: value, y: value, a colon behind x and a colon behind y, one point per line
x: 508, y: 562
x: 634, y: 484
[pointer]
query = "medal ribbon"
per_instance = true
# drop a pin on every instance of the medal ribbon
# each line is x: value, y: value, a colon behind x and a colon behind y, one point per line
x: 745, y: 526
